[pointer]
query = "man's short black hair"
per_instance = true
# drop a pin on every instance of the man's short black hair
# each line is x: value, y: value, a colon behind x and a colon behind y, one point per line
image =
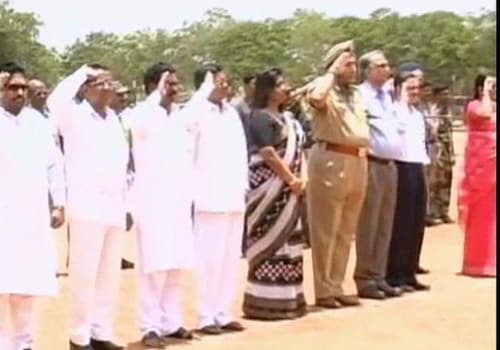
x: 12, y: 68
x: 199, y: 74
x: 247, y: 78
x: 153, y: 74
x: 410, y: 67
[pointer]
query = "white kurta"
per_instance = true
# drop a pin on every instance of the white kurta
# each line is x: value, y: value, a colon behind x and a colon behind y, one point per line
x: 221, y: 158
x: 96, y: 155
x: 162, y: 193
x: 31, y: 165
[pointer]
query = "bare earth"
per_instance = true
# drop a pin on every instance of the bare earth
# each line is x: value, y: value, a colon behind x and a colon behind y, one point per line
x: 458, y: 313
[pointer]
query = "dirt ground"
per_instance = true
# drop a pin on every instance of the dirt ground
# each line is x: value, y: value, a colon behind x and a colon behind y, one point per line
x: 458, y: 313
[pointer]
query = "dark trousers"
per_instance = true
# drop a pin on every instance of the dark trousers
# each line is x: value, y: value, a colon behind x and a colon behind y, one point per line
x: 409, y: 224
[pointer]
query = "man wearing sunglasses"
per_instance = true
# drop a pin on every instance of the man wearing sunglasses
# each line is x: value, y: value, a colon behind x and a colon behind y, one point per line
x: 31, y: 167
x: 96, y: 158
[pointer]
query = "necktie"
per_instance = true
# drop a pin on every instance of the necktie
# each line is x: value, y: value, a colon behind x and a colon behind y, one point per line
x: 380, y: 97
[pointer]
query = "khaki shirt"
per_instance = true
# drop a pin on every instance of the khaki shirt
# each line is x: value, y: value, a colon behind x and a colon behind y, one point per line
x: 343, y: 121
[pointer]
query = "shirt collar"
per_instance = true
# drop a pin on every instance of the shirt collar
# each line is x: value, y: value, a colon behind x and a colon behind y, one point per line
x: 12, y: 117
x: 91, y: 111
x: 373, y: 90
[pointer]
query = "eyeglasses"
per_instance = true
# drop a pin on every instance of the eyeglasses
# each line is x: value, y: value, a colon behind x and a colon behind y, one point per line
x: 382, y: 65
x: 16, y: 87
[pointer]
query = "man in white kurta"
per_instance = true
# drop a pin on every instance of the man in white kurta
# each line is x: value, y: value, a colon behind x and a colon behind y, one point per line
x: 163, y: 156
x: 221, y: 183
x: 31, y: 166
x: 96, y: 156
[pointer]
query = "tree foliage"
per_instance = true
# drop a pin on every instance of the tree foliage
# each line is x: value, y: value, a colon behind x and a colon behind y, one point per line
x: 453, y: 48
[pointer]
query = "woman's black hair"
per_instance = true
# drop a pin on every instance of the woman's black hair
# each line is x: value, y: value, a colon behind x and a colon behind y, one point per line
x: 478, y: 86
x: 265, y: 83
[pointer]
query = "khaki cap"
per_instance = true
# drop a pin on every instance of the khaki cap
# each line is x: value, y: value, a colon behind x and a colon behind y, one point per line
x: 335, y: 52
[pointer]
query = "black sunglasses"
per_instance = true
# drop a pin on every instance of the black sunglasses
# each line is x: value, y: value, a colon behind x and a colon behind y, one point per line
x: 16, y: 87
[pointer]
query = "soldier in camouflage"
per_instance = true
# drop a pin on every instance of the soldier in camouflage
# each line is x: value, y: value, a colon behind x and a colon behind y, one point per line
x: 440, y: 174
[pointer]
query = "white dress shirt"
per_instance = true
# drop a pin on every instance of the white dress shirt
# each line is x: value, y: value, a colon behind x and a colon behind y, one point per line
x: 384, y: 139
x: 412, y: 133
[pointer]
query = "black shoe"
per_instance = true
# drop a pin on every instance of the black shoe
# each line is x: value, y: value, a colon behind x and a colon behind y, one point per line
x: 153, y: 341
x: 181, y: 333
x: 73, y: 346
x: 389, y: 291
x: 407, y: 288
x: 127, y: 265
x: 233, y: 326
x: 447, y: 220
x: 432, y: 222
x: 104, y: 345
x: 210, y: 330
x: 371, y: 292
x: 419, y: 287
x: 422, y: 271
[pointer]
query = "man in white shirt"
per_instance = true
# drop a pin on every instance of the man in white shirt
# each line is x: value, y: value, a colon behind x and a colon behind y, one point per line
x: 417, y: 71
x: 96, y: 157
x: 221, y: 184
x: 375, y: 223
x: 162, y: 150
x: 31, y: 168
x: 409, y: 215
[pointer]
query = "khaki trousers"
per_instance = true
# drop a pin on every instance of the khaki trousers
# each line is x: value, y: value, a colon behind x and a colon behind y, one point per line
x: 336, y: 190
x: 374, y: 233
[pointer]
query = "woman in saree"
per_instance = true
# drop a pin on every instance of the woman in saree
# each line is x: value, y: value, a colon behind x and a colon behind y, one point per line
x: 277, y: 181
x: 477, y: 188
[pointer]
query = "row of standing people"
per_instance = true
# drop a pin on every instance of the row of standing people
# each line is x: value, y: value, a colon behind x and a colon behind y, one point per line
x: 191, y: 147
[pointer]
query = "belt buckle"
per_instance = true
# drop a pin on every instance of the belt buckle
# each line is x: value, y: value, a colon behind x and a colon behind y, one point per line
x: 362, y: 152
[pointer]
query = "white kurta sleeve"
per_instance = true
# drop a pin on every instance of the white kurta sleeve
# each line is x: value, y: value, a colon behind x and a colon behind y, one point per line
x: 56, y: 176
x: 62, y: 97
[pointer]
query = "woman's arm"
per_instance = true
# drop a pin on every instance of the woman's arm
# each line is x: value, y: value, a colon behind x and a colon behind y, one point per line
x: 276, y: 163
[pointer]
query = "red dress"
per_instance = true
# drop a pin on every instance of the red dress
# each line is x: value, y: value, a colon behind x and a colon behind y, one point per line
x: 477, y: 195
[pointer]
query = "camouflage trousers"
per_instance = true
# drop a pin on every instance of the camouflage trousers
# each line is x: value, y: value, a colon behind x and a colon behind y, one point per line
x: 439, y: 179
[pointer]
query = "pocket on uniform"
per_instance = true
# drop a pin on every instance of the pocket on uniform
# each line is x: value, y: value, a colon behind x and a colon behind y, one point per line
x: 331, y: 173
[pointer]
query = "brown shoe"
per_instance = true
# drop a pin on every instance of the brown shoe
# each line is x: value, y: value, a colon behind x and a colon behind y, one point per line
x: 328, y: 303
x: 211, y: 330
x: 233, y: 326
x: 348, y: 300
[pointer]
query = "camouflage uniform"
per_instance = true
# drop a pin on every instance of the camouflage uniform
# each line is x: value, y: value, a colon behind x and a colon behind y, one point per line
x: 430, y: 145
x: 441, y: 169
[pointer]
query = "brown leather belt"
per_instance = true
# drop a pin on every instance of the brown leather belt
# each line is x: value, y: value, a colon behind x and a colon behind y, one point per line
x: 350, y: 150
x: 379, y: 160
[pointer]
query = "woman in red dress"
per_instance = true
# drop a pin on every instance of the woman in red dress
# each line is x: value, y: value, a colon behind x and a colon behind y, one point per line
x: 477, y: 189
